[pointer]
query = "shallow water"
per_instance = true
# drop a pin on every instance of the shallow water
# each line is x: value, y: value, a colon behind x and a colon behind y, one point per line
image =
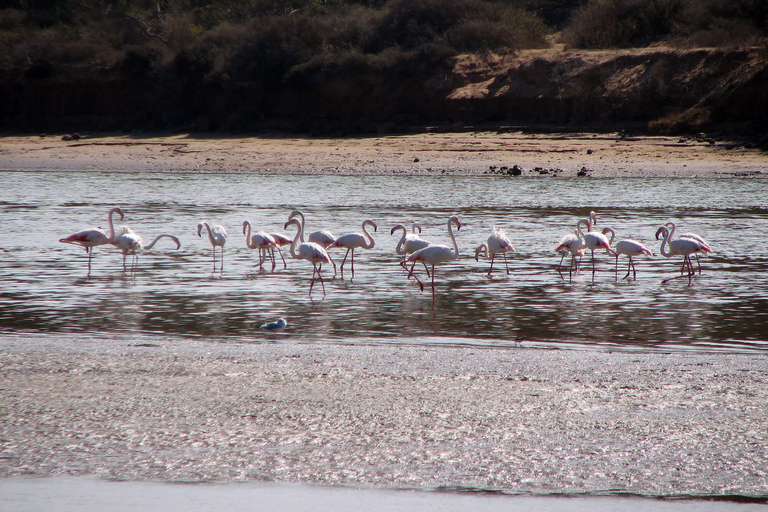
x: 45, y: 287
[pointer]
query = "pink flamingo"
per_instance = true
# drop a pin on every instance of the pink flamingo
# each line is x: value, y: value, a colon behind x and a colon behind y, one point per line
x: 694, y: 236
x: 352, y: 241
x: 570, y: 243
x: 594, y: 240
x: 129, y: 242
x: 217, y: 235
x: 629, y: 248
x: 90, y: 238
x: 680, y: 247
x: 281, y: 240
x: 324, y: 237
x: 262, y: 241
x: 410, y: 242
x: 435, y: 254
x: 310, y: 251
x: 497, y: 243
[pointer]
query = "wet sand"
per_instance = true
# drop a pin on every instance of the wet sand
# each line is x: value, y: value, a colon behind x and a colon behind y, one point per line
x: 471, y: 153
x: 523, y: 421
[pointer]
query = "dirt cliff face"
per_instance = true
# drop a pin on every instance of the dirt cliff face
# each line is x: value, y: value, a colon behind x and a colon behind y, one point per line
x: 660, y: 90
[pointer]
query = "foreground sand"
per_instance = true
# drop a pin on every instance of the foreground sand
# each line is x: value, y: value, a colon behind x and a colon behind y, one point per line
x: 428, y: 153
x: 517, y: 420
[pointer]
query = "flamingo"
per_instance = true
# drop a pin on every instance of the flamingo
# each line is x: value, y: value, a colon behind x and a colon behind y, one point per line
x: 410, y: 242
x: 310, y: 251
x: 497, y: 243
x: 694, y: 236
x: 280, y: 241
x: 217, y: 235
x: 262, y: 241
x: 435, y: 254
x: 129, y: 242
x: 630, y: 248
x: 352, y: 241
x: 322, y: 237
x: 90, y: 238
x: 574, y: 244
x: 680, y: 247
x: 594, y: 240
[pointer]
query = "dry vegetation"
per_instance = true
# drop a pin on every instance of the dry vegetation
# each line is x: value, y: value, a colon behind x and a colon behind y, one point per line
x: 233, y: 64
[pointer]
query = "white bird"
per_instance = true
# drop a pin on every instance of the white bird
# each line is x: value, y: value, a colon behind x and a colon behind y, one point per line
x: 694, y: 236
x: 594, y: 240
x: 323, y: 237
x: 497, y: 243
x: 629, y: 248
x: 129, y: 242
x: 310, y: 251
x: 680, y: 247
x: 281, y: 240
x: 571, y: 243
x: 352, y: 241
x: 435, y: 254
x: 410, y: 242
x: 262, y: 241
x: 90, y: 238
x: 277, y: 326
x: 217, y: 235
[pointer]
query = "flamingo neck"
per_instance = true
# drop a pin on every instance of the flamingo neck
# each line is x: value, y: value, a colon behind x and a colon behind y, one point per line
x: 453, y: 237
x: 671, y: 226
x: 372, y: 242
x: 664, y: 250
x: 400, y: 249
x: 247, y: 232
x: 586, y: 222
x: 298, y: 238
x: 300, y: 215
x: 111, y: 226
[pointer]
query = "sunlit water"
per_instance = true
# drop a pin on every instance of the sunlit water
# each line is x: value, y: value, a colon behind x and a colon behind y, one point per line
x: 45, y: 288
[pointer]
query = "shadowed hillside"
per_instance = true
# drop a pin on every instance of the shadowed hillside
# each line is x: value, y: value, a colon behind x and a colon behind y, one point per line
x: 343, y: 67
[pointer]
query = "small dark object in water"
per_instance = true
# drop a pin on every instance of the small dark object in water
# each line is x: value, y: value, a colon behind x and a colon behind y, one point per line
x: 515, y: 171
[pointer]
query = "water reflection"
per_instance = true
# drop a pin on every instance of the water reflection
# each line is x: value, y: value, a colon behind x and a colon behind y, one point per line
x: 174, y: 292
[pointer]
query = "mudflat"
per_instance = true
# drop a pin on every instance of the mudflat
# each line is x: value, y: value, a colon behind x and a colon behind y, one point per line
x: 518, y: 420
x: 471, y: 153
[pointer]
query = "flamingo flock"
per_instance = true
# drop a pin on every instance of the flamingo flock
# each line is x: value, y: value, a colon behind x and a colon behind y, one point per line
x: 411, y: 246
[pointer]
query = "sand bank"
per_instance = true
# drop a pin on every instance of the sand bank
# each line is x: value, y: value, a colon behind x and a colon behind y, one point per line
x: 536, y: 155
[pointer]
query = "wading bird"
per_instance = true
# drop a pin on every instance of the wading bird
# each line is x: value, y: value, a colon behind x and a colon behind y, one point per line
x: 693, y: 236
x: 352, y: 241
x: 262, y: 241
x: 497, y: 243
x: 594, y: 240
x: 129, y: 242
x: 217, y: 235
x: 571, y: 243
x: 680, y: 247
x: 435, y: 254
x: 310, y: 251
x: 410, y: 242
x: 90, y: 238
x: 629, y: 248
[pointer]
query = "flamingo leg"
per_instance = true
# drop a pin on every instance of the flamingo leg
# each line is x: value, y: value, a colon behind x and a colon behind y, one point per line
x: 89, y: 250
x: 560, y: 265
x: 214, y: 258
x: 505, y: 262
x: 285, y: 266
x: 593, y: 267
x: 342, y: 263
x: 222, y: 259
x: 352, y: 265
x: 491, y: 270
x: 272, y: 256
x: 433, y: 284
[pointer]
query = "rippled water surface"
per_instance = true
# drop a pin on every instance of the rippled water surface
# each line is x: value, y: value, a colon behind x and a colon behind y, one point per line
x: 45, y: 288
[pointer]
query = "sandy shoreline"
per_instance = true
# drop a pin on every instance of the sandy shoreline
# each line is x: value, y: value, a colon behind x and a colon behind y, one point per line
x: 472, y: 153
x: 525, y: 421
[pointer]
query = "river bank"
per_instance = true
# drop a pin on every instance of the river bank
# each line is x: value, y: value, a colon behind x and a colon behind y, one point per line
x: 470, y: 153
